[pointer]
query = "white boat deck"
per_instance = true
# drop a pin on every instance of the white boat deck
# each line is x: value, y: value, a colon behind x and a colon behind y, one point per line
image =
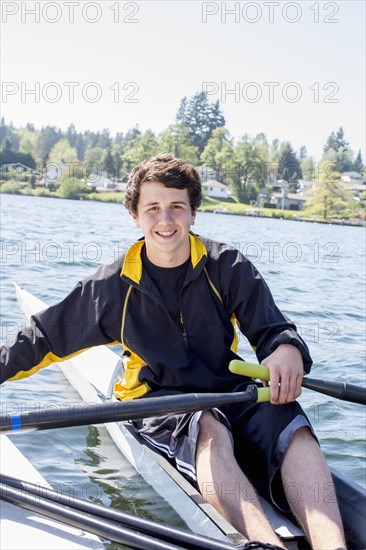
x: 21, y: 529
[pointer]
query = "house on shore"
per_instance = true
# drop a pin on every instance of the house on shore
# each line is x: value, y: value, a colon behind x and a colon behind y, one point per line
x: 280, y: 197
x: 101, y: 183
x: 215, y: 189
x: 354, y: 182
x: 17, y: 167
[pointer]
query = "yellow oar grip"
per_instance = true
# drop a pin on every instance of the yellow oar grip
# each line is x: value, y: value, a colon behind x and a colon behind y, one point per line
x: 263, y: 395
x: 249, y: 369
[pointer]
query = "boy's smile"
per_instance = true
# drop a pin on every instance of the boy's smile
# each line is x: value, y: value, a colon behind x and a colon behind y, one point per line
x: 165, y: 216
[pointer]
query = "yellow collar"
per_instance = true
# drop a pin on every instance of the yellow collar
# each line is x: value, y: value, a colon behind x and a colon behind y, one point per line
x: 132, y: 265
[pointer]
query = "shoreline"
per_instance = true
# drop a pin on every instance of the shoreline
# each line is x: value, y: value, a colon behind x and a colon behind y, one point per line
x: 350, y: 222
x: 215, y: 208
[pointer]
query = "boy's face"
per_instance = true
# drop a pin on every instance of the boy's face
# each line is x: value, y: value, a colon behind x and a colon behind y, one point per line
x: 164, y: 215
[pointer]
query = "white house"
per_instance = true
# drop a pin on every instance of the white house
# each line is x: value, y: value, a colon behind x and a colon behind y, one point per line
x: 215, y: 189
x: 285, y: 200
x: 354, y: 182
x: 16, y: 167
x: 288, y: 201
x: 100, y: 181
x: 351, y: 178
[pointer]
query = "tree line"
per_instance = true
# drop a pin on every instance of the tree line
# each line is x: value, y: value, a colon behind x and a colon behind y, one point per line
x: 198, y: 135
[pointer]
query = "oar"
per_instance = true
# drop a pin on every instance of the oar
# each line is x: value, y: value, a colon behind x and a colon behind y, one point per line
x: 172, y: 535
x: 100, y: 527
x: 339, y: 390
x: 85, y: 414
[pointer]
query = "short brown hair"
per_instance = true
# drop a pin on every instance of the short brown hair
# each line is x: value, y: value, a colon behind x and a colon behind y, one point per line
x: 168, y: 170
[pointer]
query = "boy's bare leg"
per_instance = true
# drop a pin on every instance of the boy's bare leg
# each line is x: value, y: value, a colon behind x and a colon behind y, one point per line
x: 223, y: 484
x: 309, y: 489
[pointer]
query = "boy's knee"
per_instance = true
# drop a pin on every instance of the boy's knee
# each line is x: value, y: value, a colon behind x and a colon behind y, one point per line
x: 213, y: 431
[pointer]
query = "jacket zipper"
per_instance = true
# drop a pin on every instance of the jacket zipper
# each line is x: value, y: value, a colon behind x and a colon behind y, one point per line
x: 183, y: 330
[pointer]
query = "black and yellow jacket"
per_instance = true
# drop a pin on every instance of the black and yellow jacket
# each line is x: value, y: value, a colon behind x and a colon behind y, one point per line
x: 121, y: 304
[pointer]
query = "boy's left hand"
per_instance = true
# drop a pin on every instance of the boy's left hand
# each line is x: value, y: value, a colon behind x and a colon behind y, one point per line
x: 286, y: 372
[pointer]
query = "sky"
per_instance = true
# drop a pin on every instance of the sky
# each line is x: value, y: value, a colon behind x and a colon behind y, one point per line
x: 293, y: 70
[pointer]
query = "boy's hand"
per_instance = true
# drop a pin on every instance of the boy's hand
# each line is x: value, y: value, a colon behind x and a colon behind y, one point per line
x: 286, y: 371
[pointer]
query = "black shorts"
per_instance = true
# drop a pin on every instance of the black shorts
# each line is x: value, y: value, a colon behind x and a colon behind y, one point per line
x: 260, y: 434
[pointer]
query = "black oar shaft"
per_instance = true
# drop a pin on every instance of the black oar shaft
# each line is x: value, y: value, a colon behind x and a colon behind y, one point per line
x: 85, y: 414
x: 339, y: 390
x: 95, y: 525
x: 182, y: 537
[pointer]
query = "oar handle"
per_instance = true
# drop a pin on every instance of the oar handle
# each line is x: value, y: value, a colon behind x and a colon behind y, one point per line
x: 252, y: 370
x: 339, y: 390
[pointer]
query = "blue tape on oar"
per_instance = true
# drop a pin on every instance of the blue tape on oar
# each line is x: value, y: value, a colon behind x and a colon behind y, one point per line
x: 16, y: 423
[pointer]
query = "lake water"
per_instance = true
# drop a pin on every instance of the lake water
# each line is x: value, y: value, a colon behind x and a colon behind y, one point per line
x: 316, y: 274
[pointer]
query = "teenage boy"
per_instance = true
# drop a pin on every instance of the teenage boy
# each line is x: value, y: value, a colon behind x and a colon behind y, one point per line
x: 173, y: 301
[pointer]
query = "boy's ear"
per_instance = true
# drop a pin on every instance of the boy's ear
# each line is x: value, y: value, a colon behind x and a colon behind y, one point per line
x: 135, y: 219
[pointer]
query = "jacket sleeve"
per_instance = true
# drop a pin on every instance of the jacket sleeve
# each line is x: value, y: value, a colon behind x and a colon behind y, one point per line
x: 248, y: 297
x: 89, y: 316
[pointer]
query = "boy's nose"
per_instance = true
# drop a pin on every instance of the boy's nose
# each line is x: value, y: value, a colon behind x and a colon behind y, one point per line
x: 165, y: 216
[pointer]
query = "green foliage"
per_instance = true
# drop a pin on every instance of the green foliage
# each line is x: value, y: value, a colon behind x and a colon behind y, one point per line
x: 289, y: 168
x: 72, y: 189
x: 341, y: 159
x: 177, y: 141
x: 11, y: 187
x: 200, y: 117
x: 48, y: 138
x: 336, y: 141
x: 62, y: 151
x: 358, y: 165
x: 198, y: 136
x: 337, y: 151
x: 219, y: 154
x: 108, y: 162
x: 93, y: 160
x: 330, y: 196
x: 106, y: 197
x: 141, y: 147
x: 9, y: 156
x: 308, y: 168
x: 250, y: 167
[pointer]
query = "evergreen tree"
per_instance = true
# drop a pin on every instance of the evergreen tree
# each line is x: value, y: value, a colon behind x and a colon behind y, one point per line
x: 108, y: 163
x: 331, y: 143
x: 303, y: 152
x: 80, y: 146
x: 200, y: 117
x: 340, y: 141
x: 358, y: 165
x: 341, y: 158
x: 289, y: 168
x: 48, y: 138
x: 71, y: 135
x: 9, y: 156
x: 336, y: 141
